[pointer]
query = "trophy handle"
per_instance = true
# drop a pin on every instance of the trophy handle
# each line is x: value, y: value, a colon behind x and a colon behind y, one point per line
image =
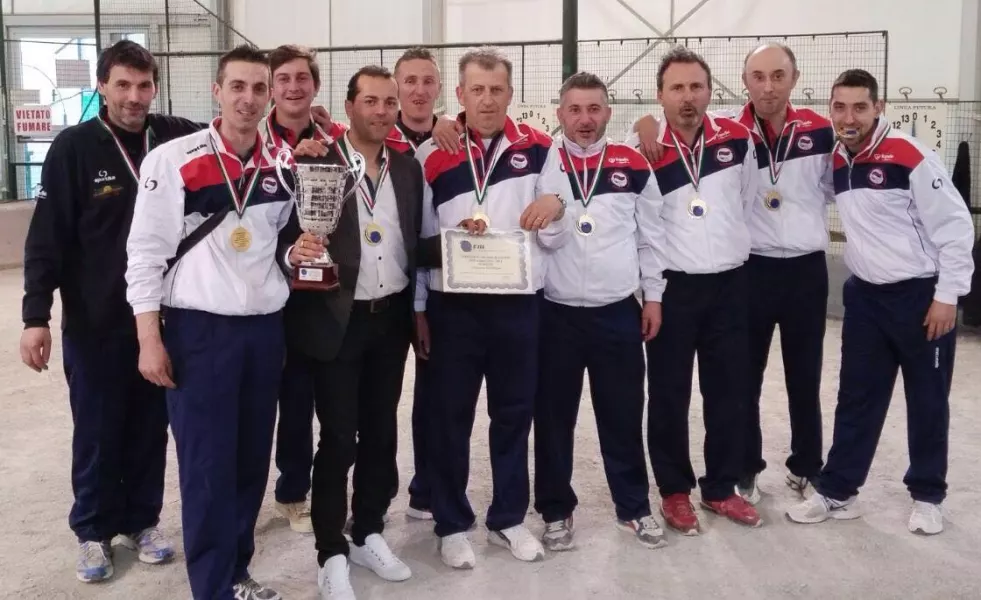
x: 357, y: 170
x: 282, y: 164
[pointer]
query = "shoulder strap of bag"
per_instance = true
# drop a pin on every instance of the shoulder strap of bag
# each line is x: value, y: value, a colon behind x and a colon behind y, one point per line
x: 197, y: 235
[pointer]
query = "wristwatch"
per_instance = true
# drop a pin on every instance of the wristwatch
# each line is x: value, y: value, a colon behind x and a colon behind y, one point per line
x: 563, y: 203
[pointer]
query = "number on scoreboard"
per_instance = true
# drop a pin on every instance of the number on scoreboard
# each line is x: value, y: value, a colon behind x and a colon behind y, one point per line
x: 540, y: 116
x: 926, y: 121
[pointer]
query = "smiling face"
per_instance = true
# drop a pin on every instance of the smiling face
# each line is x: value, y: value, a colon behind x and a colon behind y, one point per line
x: 374, y: 109
x: 419, y: 86
x: 584, y: 115
x: 242, y: 94
x: 853, y: 114
x: 129, y: 93
x: 294, y: 88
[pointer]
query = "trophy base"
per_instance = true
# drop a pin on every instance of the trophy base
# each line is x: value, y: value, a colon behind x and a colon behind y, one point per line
x: 315, y: 277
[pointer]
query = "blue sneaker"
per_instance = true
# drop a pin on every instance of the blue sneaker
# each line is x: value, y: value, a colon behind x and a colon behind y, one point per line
x: 152, y: 545
x: 94, y: 562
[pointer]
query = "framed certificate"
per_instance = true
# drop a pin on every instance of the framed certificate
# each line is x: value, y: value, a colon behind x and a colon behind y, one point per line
x: 497, y: 262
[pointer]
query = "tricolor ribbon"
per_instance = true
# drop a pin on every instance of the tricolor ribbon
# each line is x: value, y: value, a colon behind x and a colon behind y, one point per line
x: 776, y: 163
x: 369, y: 194
x: 480, y: 183
x: 240, y: 201
x: 585, y: 189
x: 122, y: 150
x: 694, y: 170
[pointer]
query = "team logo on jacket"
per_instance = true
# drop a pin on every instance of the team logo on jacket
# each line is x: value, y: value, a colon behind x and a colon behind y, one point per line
x: 519, y: 161
x: 724, y: 155
x: 805, y: 143
x: 269, y: 185
x: 877, y: 177
x: 619, y: 179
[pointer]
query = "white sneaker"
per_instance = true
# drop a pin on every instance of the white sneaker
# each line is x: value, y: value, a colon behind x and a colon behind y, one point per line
x: 818, y: 509
x: 926, y: 519
x: 801, y: 485
x: 748, y: 490
x: 419, y: 514
x: 377, y: 556
x: 523, y: 545
x: 334, y: 579
x: 456, y: 551
x: 298, y: 514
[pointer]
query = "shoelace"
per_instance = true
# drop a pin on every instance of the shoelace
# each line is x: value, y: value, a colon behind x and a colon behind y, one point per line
x: 93, y: 552
x: 648, y: 524
x: 152, y: 537
x: 556, y: 527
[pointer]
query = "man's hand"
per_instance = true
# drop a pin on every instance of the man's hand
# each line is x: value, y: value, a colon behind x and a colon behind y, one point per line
x: 307, y: 248
x: 35, y: 348
x: 446, y: 134
x: 321, y: 116
x: 473, y: 227
x: 940, y: 319
x: 647, y: 130
x: 310, y: 148
x: 422, y: 336
x: 650, y: 320
x: 155, y: 363
x: 541, y: 212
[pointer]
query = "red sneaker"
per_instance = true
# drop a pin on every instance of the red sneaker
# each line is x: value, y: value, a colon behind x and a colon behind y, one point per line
x: 680, y: 514
x: 736, y: 508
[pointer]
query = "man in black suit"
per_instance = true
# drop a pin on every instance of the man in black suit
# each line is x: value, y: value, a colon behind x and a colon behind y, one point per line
x: 359, y: 335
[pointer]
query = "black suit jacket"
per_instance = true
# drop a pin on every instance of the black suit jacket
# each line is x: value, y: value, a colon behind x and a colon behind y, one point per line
x: 316, y: 321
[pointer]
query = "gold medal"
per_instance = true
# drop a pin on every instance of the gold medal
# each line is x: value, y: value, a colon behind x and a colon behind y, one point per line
x: 772, y: 200
x: 479, y: 216
x: 373, y: 234
x: 241, y: 239
x: 697, y: 208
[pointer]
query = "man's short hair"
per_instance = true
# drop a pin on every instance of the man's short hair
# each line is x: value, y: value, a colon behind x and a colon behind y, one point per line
x: 858, y: 78
x: 786, y: 49
x: 417, y: 53
x: 486, y: 57
x: 126, y: 53
x: 290, y: 52
x: 583, y: 81
x: 680, y: 54
x: 244, y: 53
x: 369, y: 71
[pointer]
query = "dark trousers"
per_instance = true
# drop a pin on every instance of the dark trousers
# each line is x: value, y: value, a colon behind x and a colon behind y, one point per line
x: 476, y: 336
x: 357, y: 395
x: 222, y: 413
x: 606, y: 342
x: 419, y: 491
x: 882, y: 333
x: 704, y: 315
x: 294, y: 432
x: 791, y: 293
x: 119, y: 438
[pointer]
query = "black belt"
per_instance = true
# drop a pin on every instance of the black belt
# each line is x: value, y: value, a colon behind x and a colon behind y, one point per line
x: 382, y: 304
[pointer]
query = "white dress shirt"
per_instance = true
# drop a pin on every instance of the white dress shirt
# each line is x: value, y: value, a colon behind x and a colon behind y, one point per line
x: 384, y: 266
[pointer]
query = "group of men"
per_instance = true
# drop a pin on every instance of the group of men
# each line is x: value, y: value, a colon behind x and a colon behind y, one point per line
x: 717, y: 222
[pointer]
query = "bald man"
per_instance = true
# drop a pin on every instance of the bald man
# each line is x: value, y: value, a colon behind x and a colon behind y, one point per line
x: 787, y: 270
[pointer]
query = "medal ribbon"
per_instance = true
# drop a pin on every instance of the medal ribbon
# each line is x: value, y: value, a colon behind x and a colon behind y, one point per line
x: 584, y: 185
x: 774, y: 153
x: 694, y: 170
x: 408, y: 140
x: 279, y: 142
x: 868, y: 149
x: 480, y: 184
x: 243, y: 201
x: 369, y: 194
x: 122, y: 150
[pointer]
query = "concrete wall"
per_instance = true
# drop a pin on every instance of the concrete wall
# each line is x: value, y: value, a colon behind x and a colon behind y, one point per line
x: 14, y: 220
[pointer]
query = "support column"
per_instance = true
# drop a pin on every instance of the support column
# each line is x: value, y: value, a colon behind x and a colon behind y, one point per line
x: 570, y: 38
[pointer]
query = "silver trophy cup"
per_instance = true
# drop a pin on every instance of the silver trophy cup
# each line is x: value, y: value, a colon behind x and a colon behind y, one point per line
x: 319, y: 196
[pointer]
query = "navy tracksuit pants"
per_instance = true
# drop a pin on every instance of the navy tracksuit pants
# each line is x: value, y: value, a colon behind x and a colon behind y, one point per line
x: 222, y: 414
x: 883, y: 333
x: 706, y: 315
x: 294, y: 431
x: 791, y: 293
x: 419, y: 488
x: 119, y: 438
x: 475, y: 337
x: 606, y: 342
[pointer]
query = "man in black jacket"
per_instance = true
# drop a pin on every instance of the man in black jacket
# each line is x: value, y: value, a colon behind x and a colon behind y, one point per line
x: 76, y: 243
x: 357, y: 337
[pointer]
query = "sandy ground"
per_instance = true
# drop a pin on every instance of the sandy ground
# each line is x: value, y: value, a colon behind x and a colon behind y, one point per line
x: 874, y: 557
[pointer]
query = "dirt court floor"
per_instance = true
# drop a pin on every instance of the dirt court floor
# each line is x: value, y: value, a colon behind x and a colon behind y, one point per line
x: 874, y: 557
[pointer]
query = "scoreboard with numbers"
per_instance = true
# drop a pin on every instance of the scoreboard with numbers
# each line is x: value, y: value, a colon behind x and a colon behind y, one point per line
x: 539, y: 116
x: 926, y: 121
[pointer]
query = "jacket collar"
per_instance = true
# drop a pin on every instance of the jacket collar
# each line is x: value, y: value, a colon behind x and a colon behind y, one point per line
x: 260, y: 157
x: 511, y: 132
x: 709, y: 125
x: 747, y: 117
x: 881, y: 132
